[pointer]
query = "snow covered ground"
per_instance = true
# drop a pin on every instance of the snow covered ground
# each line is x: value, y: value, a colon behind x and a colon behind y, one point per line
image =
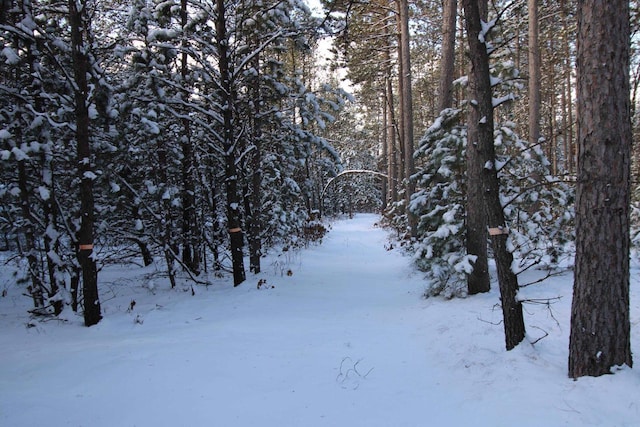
x: 346, y: 340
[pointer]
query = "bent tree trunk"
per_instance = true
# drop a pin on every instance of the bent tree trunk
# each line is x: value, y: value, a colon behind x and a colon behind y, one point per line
x: 511, y: 308
x: 600, y: 325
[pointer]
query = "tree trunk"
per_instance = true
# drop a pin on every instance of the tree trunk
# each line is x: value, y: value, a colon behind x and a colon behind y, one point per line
x: 392, y: 135
x: 50, y: 238
x: 236, y: 236
x: 386, y: 184
x: 476, y: 222
x: 406, y: 100
x: 534, y: 73
x: 255, y: 226
x: 255, y: 195
x: 450, y: 9
x: 190, y: 241
x: 166, y: 222
x: 508, y: 281
x: 51, y: 245
x: 36, y: 289
x: 79, y: 28
x: 552, y: 141
x: 568, y: 131
x: 600, y: 325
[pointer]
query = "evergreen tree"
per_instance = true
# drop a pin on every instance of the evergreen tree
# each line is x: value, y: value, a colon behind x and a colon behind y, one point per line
x: 600, y: 325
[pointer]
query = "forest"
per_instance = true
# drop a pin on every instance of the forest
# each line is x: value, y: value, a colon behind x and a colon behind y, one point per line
x: 206, y: 134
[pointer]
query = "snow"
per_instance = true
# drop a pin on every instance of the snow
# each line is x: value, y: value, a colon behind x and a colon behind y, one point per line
x: 93, y: 112
x: 19, y: 154
x: 12, y: 58
x: 90, y: 175
x: 346, y: 340
x: 44, y: 192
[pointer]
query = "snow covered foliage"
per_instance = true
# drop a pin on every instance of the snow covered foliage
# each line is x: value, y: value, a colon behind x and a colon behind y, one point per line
x: 538, y: 207
x: 38, y: 150
x: 635, y: 225
x: 163, y: 146
x: 439, y: 205
x: 357, y: 143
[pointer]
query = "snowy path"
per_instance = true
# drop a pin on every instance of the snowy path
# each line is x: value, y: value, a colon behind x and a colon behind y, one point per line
x: 346, y: 340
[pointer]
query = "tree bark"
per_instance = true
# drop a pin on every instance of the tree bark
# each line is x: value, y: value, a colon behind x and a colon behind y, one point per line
x: 600, y: 325
x: 392, y: 135
x: 255, y: 196
x: 407, y: 111
x: 476, y: 222
x: 36, y: 289
x: 28, y: 224
x: 234, y: 224
x: 508, y: 281
x: 450, y: 9
x: 570, y: 153
x: 190, y: 241
x: 386, y: 184
x: 81, y: 66
x: 534, y: 73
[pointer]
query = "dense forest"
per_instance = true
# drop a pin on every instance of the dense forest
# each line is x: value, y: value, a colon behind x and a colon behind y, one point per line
x: 207, y: 133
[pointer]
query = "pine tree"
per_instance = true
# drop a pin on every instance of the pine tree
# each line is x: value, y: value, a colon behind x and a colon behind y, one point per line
x: 600, y: 325
x: 82, y: 63
x: 483, y: 102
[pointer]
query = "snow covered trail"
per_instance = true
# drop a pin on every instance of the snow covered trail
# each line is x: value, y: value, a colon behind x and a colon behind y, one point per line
x: 345, y: 340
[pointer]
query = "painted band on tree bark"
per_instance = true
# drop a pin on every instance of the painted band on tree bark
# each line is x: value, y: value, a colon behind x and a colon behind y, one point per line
x: 235, y: 230
x: 86, y: 247
x: 497, y: 231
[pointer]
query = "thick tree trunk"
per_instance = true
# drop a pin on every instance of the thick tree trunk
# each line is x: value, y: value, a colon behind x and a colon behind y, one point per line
x: 508, y: 281
x: 476, y: 223
x: 81, y: 67
x: 600, y: 325
x: 450, y: 9
x: 236, y: 236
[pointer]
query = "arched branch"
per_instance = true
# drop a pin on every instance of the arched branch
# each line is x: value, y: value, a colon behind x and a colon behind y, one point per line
x: 351, y: 172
